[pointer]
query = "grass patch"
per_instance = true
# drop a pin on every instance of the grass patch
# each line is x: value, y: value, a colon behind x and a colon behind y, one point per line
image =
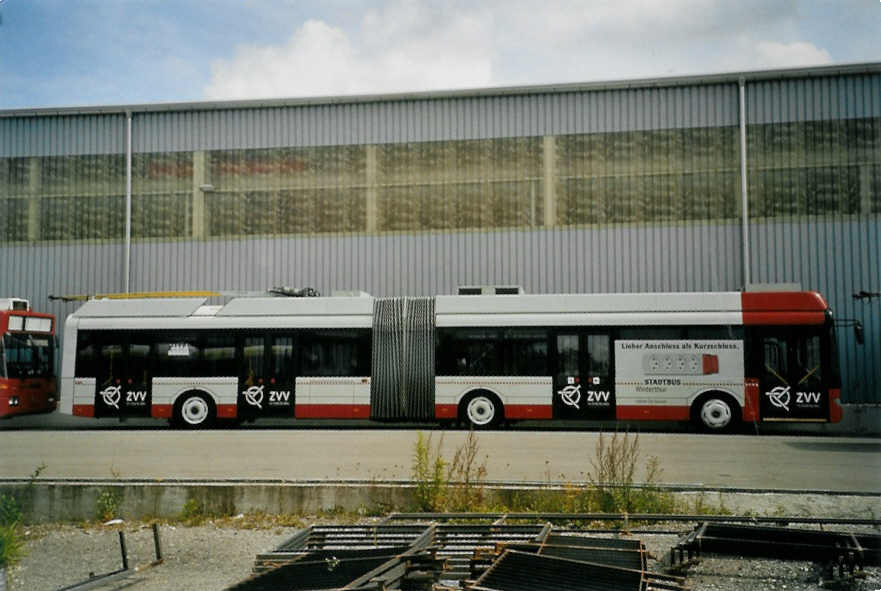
x: 11, y: 545
x: 10, y: 510
x: 11, y: 517
x: 107, y: 504
x: 449, y: 485
x: 429, y: 474
x: 619, y: 480
x: 193, y: 513
x: 613, y: 487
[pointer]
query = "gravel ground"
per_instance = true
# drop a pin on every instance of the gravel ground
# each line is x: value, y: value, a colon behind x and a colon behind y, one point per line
x: 216, y: 556
x: 202, y: 557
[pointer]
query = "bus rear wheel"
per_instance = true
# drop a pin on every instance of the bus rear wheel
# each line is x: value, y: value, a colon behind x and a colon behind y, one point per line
x: 714, y: 413
x: 194, y: 410
x: 481, y: 410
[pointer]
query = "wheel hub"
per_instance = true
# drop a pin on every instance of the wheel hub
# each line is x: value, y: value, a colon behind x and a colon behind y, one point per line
x: 715, y: 414
x: 481, y: 411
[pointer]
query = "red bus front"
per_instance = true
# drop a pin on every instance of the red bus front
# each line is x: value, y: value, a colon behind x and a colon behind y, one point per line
x: 27, y: 361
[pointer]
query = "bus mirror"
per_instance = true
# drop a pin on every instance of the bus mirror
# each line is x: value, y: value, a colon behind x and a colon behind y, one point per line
x: 858, y: 332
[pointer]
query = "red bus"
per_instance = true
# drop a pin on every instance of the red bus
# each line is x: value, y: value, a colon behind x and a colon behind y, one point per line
x: 27, y: 359
x: 716, y: 359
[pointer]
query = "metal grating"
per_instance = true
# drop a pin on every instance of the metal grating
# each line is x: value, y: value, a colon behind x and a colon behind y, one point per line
x: 460, y: 545
x: 845, y: 550
x: 632, y: 559
x: 519, y: 571
x: 328, y: 573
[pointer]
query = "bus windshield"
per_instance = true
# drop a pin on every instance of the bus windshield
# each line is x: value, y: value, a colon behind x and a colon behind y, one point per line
x: 26, y: 356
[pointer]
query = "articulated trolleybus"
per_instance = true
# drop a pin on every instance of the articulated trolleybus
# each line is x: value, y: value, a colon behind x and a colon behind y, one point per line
x: 712, y: 358
x: 27, y: 359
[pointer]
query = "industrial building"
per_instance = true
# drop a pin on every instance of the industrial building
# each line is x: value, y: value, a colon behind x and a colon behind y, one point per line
x: 702, y: 183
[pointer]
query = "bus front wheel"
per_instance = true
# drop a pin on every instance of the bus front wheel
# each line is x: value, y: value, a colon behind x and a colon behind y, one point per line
x: 714, y: 413
x: 194, y: 410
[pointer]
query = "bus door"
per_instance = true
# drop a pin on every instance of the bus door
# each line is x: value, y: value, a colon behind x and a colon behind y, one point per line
x: 793, y: 381
x: 266, y: 378
x: 137, y: 391
x: 122, y: 374
x: 280, y: 401
x: 583, y: 384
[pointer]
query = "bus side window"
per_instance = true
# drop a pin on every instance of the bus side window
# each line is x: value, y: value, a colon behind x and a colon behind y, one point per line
x: 177, y: 356
x: 218, y: 355
x: 86, y: 355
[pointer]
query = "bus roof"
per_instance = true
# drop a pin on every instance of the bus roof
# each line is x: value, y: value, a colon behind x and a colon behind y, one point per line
x: 488, y: 310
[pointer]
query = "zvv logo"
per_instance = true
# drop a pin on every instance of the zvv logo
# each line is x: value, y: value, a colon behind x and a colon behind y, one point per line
x: 254, y: 396
x: 282, y: 396
x: 571, y: 395
x: 111, y: 396
x: 138, y: 396
x: 807, y: 397
x: 597, y: 396
x: 779, y: 397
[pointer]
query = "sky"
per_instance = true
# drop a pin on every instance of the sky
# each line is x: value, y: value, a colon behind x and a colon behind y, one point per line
x: 62, y: 53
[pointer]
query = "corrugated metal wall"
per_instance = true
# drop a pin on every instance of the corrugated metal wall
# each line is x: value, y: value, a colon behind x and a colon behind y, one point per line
x: 798, y: 230
x: 392, y: 121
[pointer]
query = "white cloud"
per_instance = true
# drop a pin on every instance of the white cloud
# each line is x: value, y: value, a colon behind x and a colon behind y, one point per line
x: 779, y: 55
x: 417, y: 53
x: 405, y: 45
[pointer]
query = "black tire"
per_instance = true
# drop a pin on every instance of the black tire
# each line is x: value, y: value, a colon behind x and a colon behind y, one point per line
x: 481, y: 410
x: 194, y: 410
x: 715, y: 412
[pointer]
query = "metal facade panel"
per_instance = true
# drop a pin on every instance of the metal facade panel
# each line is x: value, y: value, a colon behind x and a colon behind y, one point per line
x: 62, y: 135
x: 35, y: 272
x: 404, y: 121
x: 854, y: 96
x: 590, y: 260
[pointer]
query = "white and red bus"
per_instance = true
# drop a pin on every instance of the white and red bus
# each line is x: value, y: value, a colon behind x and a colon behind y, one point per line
x: 27, y: 359
x: 713, y: 358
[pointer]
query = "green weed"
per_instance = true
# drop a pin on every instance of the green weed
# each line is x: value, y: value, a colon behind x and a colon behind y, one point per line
x: 448, y: 485
x: 193, y: 512
x: 467, y: 473
x: 11, y: 545
x: 612, y: 479
x: 107, y: 504
x: 429, y: 474
x: 10, y: 510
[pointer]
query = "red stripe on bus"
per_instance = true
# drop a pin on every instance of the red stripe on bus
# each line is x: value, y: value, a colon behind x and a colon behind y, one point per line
x: 446, y: 411
x: 161, y: 411
x: 783, y: 301
x: 529, y: 411
x: 654, y: 413
x: 226, y: 411
x: 751, y: 400
x: 834, y: 405
x: 360, y: 411
x: 800, y: 318
x: 333, y: 411
x: 783, y: 307
x: 83, y: 410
